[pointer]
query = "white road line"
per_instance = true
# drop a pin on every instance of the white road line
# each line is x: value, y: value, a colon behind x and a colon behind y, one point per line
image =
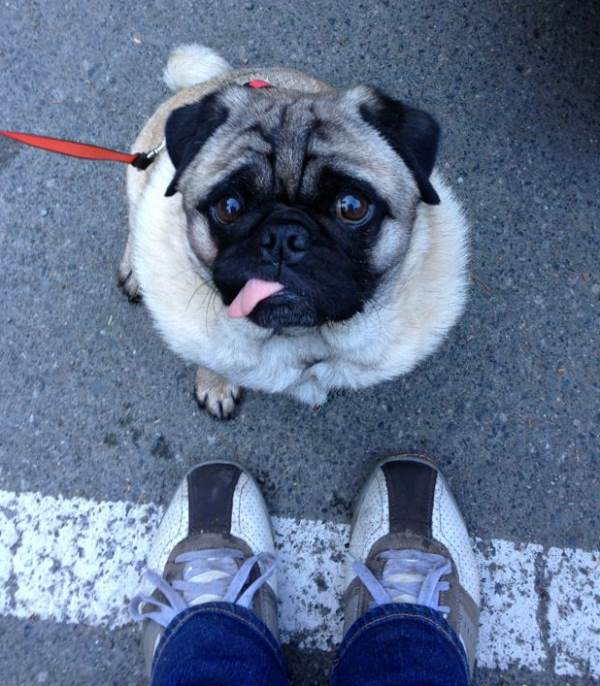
x: 78, y: 561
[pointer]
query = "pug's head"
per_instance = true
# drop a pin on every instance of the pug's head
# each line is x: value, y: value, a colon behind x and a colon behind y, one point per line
x: 300, y: 204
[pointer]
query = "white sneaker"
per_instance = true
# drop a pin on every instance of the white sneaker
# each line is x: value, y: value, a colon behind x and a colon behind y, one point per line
x: 409, y: 544
x: 214, y: 544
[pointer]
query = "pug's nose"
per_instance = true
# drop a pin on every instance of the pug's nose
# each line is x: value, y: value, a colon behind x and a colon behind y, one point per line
x: 284, y: 243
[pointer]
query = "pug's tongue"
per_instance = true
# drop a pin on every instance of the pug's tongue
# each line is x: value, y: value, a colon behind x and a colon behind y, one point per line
x: 252, y: 293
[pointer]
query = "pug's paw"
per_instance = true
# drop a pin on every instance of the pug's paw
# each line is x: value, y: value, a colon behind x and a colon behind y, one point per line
x: 127, y: 281
x: 215, y: 394
x: 308, y: 390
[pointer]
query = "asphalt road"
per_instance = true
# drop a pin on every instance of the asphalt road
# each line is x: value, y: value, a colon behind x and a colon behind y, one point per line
x: 92, y: 403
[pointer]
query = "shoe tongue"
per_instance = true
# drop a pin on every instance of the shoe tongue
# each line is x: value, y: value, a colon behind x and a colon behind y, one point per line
x: 252, y: 293
x: 410, y: 580
x: 212, y: 583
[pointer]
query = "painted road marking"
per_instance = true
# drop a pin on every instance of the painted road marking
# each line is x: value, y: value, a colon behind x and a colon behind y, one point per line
x: 78, y: 561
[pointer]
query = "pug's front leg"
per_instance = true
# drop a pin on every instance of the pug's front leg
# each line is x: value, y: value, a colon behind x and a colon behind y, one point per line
x: 126, y: 278
x: 215, y: 394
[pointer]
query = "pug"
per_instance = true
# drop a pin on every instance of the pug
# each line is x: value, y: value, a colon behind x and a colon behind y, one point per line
x: 291, y: 237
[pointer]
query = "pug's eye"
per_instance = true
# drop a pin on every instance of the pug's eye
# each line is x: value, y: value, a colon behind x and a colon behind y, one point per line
x: 228, y: 209
x: 352, y: 208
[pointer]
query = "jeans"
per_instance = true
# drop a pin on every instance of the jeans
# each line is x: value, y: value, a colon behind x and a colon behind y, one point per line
x: 219, y: 644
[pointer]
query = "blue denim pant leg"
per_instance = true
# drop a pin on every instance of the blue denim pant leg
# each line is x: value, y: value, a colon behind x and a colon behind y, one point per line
x: 218, y: 644
x: 401, y: 645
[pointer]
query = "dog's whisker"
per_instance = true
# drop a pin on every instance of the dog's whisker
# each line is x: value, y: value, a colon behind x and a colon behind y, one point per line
x: 187, y: 271
x: 204, y: 285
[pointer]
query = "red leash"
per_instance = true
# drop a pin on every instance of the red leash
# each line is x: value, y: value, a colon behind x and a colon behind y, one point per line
x: 82, y: 150
x: 140, y: 160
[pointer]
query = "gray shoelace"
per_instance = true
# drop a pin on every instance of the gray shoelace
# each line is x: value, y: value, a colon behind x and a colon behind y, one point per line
x: 208, y: 576
x: 409, y: 576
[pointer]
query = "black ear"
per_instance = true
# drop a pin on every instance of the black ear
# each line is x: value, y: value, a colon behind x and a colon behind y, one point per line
x: 412, y: 133
x: 187, y: 130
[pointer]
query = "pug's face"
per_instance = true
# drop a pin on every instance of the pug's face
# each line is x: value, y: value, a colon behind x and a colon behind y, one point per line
x: 300, y: 204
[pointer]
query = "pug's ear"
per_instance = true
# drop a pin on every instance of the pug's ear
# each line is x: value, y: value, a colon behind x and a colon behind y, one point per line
x: 413, y: 134
x: 187, y: 130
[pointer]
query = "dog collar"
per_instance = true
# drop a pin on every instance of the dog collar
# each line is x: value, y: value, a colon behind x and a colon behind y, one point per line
x: 258, y: 83
x: 85, y: 151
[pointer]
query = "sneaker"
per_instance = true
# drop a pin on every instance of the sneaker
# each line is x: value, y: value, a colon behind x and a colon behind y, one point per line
x: 409, y: 544
x: 214, y: 544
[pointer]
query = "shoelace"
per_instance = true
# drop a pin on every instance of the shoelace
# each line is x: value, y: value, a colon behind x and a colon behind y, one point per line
x: 208, y: 575
x: 409, y: 576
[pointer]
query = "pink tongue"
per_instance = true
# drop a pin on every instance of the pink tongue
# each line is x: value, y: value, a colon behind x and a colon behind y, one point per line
x: 251, y: 294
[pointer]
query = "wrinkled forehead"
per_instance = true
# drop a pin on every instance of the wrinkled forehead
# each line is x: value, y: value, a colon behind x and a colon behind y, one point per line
x: 288, y: 139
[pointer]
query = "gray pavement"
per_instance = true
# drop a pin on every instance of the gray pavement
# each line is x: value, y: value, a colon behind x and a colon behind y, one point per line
x: 93, y: 404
